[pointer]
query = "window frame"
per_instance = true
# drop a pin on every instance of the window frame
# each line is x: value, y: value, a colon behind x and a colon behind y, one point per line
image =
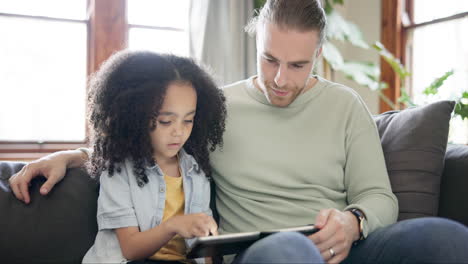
x: 394, y: 36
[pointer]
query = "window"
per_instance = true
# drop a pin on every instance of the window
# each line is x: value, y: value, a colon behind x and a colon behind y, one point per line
x: 43, y: 69
x: 48, y: 49
x: 160, y: 25
x: 429, y: 36
x: 438, y: 43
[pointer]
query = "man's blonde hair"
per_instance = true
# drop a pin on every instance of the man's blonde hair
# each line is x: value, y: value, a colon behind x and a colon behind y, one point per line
x: 302, y: 15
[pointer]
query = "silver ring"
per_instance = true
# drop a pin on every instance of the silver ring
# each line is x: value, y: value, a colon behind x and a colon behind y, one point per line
x: 332, y: 252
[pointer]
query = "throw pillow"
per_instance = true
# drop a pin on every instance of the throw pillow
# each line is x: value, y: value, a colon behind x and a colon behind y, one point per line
x: 414, y: 141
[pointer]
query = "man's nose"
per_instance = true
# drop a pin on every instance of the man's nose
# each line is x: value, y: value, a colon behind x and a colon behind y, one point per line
x: 281, y: 76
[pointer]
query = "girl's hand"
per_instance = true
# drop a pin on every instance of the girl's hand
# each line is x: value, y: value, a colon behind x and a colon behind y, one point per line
x: 193, y: 225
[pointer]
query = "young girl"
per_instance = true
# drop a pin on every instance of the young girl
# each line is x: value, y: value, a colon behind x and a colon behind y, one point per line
x: 155, y: 118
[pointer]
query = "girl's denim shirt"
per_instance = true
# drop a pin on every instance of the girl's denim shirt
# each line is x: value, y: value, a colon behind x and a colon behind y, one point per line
x: 122, y: 203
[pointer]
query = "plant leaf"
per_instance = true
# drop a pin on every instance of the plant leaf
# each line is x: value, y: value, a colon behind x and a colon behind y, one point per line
x: 437, y: 83
x: 405, y: 98
x: 355, y: 36
x: 363, y: 73
x: 339, y: 28
x: 386, y: 99
x: 340, y: 2
x: 328, y: 7
x: 259, y: 3
x: 332, y: 55
x: 390, y: 59
x: 461, y: 109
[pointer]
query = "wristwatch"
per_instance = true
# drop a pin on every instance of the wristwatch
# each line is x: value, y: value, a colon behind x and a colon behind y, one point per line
x: 361, y: 218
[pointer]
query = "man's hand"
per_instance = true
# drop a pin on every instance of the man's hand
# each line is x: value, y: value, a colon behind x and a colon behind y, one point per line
x: 338, y: 231
x: 193, y: 225
x: 52, y: 167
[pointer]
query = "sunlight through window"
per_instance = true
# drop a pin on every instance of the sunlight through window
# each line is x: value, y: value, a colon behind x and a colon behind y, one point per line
x: 436, y: 49
x: 42, y: 71
x: 159, y: 25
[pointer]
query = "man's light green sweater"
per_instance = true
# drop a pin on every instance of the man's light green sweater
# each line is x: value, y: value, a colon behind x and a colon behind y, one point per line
x: 280, y: 166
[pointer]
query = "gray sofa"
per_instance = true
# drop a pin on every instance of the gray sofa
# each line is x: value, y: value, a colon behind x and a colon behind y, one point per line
x: 428, y: 177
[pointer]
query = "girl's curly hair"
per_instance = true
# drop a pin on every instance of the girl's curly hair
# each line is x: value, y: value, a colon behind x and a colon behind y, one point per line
x: 125, y: 97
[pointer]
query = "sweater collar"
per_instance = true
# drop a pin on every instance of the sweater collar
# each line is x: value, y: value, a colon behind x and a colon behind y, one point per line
x: 259, y: 96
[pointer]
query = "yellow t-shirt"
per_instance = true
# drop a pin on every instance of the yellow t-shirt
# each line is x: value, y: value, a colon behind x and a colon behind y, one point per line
x: 175, y: 249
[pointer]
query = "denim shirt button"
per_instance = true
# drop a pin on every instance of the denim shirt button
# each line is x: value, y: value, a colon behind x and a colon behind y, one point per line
x: 161, y: 189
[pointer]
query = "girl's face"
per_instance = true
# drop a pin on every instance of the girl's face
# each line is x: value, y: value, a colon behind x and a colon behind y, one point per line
x: 175, y: 121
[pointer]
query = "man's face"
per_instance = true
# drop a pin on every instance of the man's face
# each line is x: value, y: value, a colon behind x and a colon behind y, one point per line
x: 285, y: 59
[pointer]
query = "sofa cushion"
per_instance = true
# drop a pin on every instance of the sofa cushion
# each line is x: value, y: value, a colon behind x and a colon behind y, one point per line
x: 414, y: 141
x: 453, y: 195
x: 57, y: 228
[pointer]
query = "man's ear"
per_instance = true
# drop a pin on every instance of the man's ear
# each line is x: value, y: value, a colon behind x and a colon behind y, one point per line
x: 319, y: 52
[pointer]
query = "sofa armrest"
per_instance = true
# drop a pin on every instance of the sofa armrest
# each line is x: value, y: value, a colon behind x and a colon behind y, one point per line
x: 57, y: 228
x: 453, y: 202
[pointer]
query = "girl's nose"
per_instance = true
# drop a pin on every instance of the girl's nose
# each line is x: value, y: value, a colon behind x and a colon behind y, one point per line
x: 177, y: 131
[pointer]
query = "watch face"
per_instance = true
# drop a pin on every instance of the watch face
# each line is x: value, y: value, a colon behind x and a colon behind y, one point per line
x: 361, y: 229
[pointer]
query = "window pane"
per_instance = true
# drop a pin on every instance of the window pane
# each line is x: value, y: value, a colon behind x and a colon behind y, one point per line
x: 71, y: 9
x: 165, y: 41
x: 161, y: 13
x: 42, y: 80
x: 427, y: 10
x: 433, y: 55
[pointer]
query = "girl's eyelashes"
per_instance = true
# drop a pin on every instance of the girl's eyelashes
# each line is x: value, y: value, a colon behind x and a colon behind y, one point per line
x: 164, y: 122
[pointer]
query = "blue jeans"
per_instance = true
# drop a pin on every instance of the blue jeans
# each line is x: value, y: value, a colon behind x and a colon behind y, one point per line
x: 284, y: 247
x: 422, y: 240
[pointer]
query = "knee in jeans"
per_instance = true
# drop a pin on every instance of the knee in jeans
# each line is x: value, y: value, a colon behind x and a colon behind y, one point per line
x: 449, y: 229
x: 433, y: 232
x: 290, y: 239
x: 442, y: 240
x: 441, y: 227
x: 283, y: 247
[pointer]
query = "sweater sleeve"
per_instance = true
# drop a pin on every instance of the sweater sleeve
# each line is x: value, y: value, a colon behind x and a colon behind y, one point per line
x: 366, y: 178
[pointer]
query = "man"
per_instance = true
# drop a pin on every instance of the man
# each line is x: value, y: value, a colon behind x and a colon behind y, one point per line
x: 300, y: 150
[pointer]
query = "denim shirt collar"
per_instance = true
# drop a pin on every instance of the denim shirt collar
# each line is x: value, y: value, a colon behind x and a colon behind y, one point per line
x: 186, y: 161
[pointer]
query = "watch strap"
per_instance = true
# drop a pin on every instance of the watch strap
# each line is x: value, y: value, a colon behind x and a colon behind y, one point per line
x: 360, y: 216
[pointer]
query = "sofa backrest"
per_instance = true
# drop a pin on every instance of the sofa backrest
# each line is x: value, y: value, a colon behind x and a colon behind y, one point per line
x: 453, y: 202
